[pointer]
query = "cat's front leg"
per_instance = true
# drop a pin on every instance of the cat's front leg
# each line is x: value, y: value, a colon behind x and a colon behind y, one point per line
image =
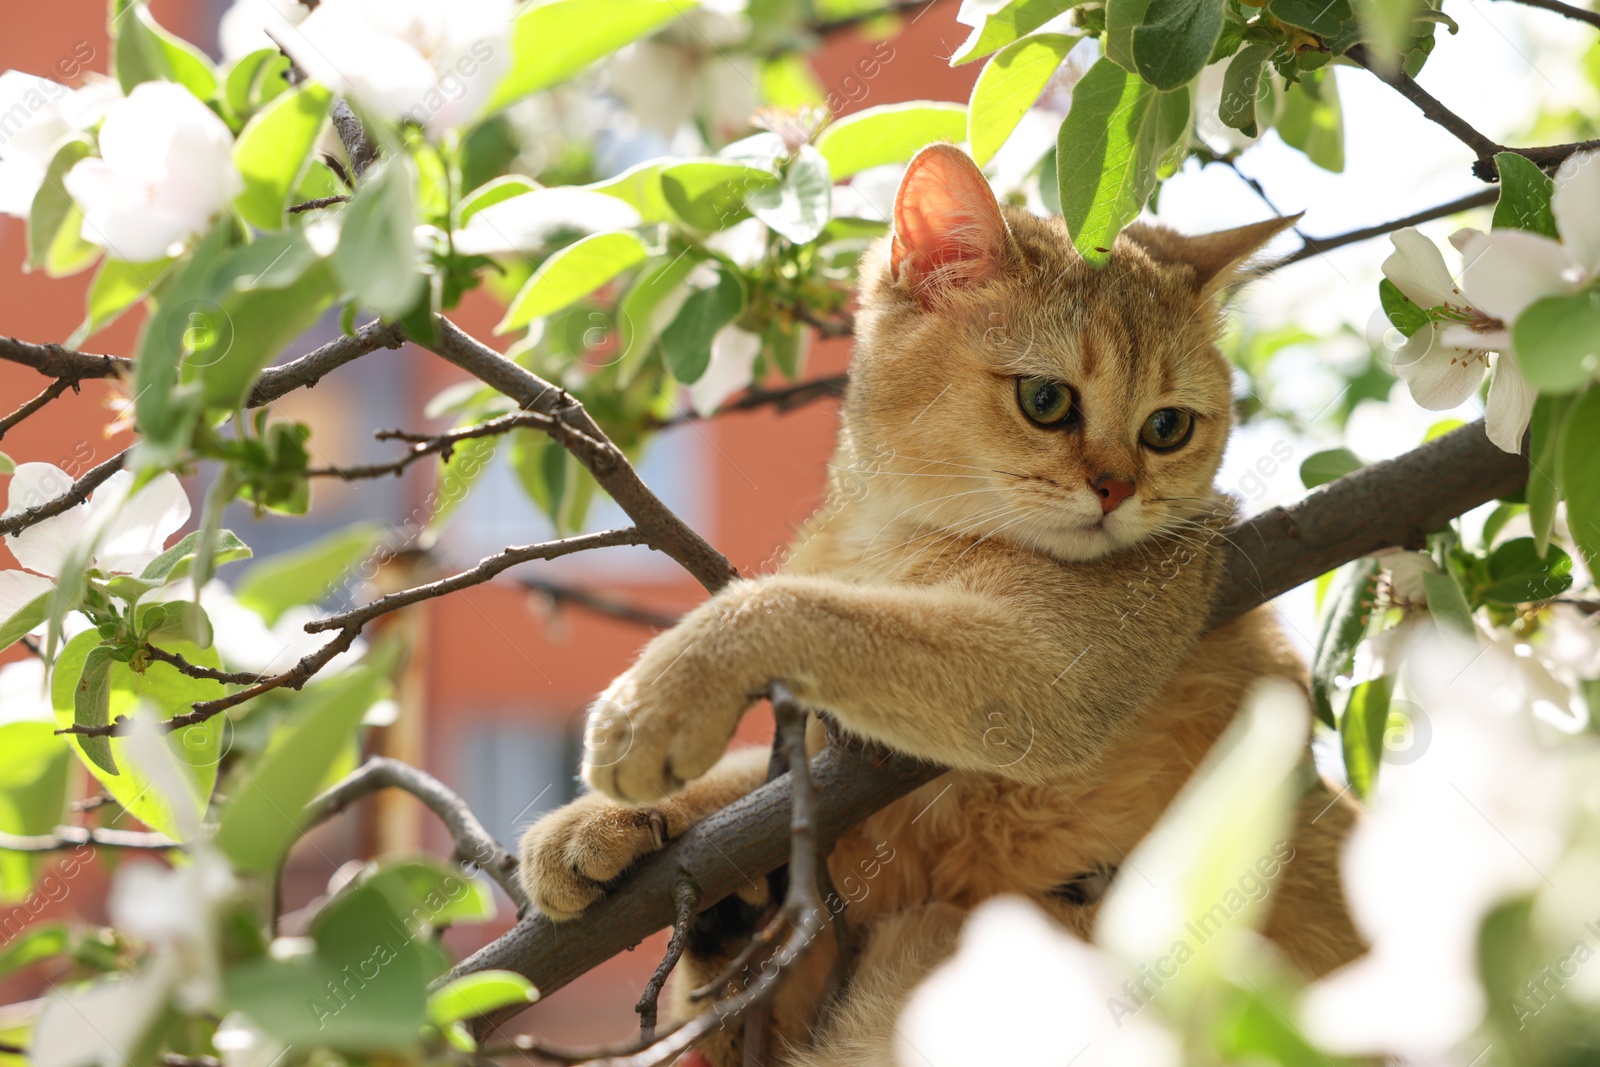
x: 669, y: 717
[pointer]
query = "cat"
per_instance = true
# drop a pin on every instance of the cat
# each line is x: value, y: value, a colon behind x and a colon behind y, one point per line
x: 1011, y: 579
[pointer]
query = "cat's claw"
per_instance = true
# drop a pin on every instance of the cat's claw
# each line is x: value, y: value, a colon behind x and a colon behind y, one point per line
x: 571, y: 855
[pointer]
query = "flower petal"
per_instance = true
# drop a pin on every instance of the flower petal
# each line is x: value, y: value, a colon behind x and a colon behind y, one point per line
x: 1417, y: 269
x: 139, y: 531
x: 1510, y: 404
x: 1509, y: 269
x: 1439, y: 376
x: 43, y: 546
x: 733, y: 358
x: 18, y: 589
x: 1576, y: 204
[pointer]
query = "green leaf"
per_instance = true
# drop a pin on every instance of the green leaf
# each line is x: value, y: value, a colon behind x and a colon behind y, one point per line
x: 1388, y: 28
x: 542, y: 470
x: 40, y: 942
x: 313, y: 1001
x: 1518, y: 576
x: 686, y: 342
x: 491, y: 193
x: 1001, y: 28
x: 646, y: 309
x: 1361, y: 730
x: 1525, y: 193
x: 27, y: 617
x: 1557, y: 341
x: 890, y: 133
x: 308, y: 574
x: 1242, y: 88
x: 146, y: 52
x: 1403, y: 314
x: 268, y: 809
x: 174, y: 563
x: 196, y: 749
x: 272, y: 150
x: 1325, y: 18
x: 1545, y: 430
x: 54, y: 241
x: 640, y: 187
x: 432, y: 891
x: 1344, y: 622
x: 710, y: 194
x: 1323, y: 467
x: 1313, y: 121
x: 1122, y: 18
x: 1008, y: 87
x: 255, y: 80
x: 572, y: 274
x: 1447, y: 603
x: 376, y: 260
x: 475, y: 995
x: 34, y: 776
x: 233, y: 338
x: 551, y: 42
x: 118, y: 285
x: 1107, y: 153
x: 468, y: 463
x: 91, y: 706
x: 1174, y: 42
x: 798, y: 207
x: 7, y: 466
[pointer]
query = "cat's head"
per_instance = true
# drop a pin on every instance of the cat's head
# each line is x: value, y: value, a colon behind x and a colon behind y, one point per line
x: 1004, y: 387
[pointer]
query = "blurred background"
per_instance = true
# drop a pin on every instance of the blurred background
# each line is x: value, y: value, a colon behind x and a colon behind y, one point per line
x: 493, y: 702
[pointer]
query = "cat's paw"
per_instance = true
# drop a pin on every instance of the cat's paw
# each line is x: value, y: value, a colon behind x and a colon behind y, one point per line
x: 667, y: 720
x: 571, y: 855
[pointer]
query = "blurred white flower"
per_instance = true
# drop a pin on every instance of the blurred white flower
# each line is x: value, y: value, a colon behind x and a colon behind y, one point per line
x: 525, y: 222
x: 666, y: 85
x: 251, y: 25
x: 1449, y: 835
x: 1044, y: 998
x: 433, y: 62
x: 246, y: 643
x: 165, y: 170
x: 124, y: 1011
x: 745, y: 242
x: 732, y: 366
x: 24, y: 690
x: 241, y: 1043
x: 1443, y: 361
x: 176, y: 910
x: 1406, y: 570
x: 131, y: 530
x: 39, y: 115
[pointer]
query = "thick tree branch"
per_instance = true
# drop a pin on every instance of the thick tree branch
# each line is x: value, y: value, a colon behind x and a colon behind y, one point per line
x: 474, y: 844
x: 571, y: 426
x: 67, y: 837
x: 58, y: 361
x: 1389, y: 503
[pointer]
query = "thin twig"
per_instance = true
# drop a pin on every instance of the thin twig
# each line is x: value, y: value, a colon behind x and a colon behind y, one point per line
x: 783, y: 399
x: 319, y: 202
x: 572, y: 427
x: 487, y: 568
x: 51, y: 391
x: 76, y: 494
x: 685, y: 895
x: 426, y: 445
x: 362, y: 152
x: 194, y: 670
x: 473, y: 843
x: 556, y: 595
x: 1571, y: 12
x: 66, y: 837
x: 1316, y: 246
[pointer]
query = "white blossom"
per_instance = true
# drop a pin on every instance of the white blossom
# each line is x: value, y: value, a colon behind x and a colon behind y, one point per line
x: 732, y: 366
x: 1443, y: 361
x: 165, y: 171
x: 525, y: 222
x: 251, y: 25
x: 132, y: 530
x: 36, y: 115
x: 433, y: 62
x: 1022, y: 991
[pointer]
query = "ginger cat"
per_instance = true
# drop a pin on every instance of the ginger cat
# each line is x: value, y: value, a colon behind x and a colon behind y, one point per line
x: 1010, y: 579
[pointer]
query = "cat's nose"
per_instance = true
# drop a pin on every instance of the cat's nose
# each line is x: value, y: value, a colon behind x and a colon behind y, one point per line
x: 1113, y: 490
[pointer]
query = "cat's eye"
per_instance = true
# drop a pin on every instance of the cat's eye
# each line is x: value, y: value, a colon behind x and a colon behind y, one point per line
x: 1046, y: 401
x: 1167, y: 429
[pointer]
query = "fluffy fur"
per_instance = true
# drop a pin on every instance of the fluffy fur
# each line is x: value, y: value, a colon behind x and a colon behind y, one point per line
x: 965, y: 597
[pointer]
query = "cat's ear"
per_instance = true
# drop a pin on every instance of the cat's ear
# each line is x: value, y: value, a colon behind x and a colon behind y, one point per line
x: 1217, y: 258
x: 948, y: 230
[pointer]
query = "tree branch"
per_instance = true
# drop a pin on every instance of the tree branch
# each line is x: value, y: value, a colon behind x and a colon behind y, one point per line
x: 1459, y: 128
x: 67, y: 837
x: 76, y: 494
x: 783, y: 399
x: 1389, y: 503
x: 51, y: 391
x: 557, y: 594
x: 474, y: 844
x: 427, y: 445
x: 1571, y: 12
x: 571, y: 426
x: 1316, y: 246
x: 58, y: 361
